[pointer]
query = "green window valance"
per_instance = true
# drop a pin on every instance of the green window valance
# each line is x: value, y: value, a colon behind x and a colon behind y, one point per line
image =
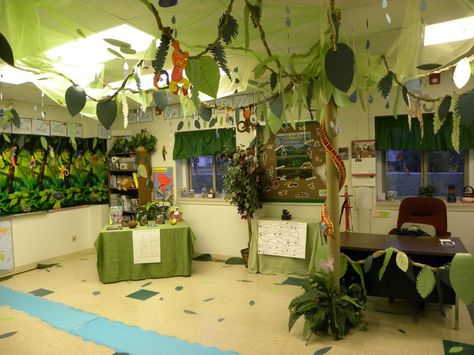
x: 392, y: 133
x: 198, y: 143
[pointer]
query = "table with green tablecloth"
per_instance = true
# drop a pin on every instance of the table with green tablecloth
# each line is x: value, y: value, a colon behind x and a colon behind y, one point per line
x: 270, y: 264
x: 115, y: 254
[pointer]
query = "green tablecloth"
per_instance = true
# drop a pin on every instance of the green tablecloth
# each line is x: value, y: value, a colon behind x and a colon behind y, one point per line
x: 270, y: 264
x: 115, y: 254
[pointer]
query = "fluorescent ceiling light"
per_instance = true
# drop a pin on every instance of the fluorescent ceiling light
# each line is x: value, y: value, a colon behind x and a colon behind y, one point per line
x: 450, y: 31
x: 93, y: 49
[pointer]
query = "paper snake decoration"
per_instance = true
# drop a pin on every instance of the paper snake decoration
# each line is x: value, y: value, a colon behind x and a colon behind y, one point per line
x: 327, y: 226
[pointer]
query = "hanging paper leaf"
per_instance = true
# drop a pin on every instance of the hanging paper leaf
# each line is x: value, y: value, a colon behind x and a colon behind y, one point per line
x: 342, y: 265
x: 273, y: 80
x: 340, y: 98
x: 368, y: 263
x: 205, y: 113
x: 212, y: 122
x: 425, y: 282
x: 73, y: 142
x: 402, y: 261
x: 460, y: 275
x: 124, y: 109
x: 6, y: 138
x: 455, y: 349
x: 80, y: 33
x: 161, y: 99
x: 385, y: 85
x: 464, y: 107
x: 309, y: 94
x: 115, y: 53
x: 276, y: 106
x: 117, y: 43
x: 219, y: 55
x: 94, y: 143
x: 255, y: 13
x: 428, y: 66
x: 197, y: 124
x: 367, y: 44
x: 388, y: 18
x: 173, y: 19
x: 405, y: 96
x: 384, y: 4
x: 161, y: 53
x: 229, y: 29
x: 246, y: 28
x: 339, y: 66
x: 204, y: 73
x: 180, y: 126
x: 370, y: 99
x: 444, y: 106
x: 353, y: 97
x: 437, y: 122
x: 44, y: 143
x: 21, y: 141
x: 6, y: 52
x: 386, y: 259
x: 288, y: 22
x: 15, y: 118
x: 106, y: 112
x: 387, y: 105
x: 455, y: 134
x: 75, y: 98
x: 128, y: 50
x: 141, y: 170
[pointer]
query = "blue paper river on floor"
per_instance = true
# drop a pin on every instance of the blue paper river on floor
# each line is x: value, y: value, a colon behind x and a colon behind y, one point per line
x: 89, y: 326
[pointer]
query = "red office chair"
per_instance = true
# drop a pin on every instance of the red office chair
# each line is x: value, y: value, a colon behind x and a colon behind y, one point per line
x: 426, y: 210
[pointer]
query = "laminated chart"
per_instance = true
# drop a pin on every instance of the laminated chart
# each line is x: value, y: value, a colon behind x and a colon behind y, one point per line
x: 282, y: 238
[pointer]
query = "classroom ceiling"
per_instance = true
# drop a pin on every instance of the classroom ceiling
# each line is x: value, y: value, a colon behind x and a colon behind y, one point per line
x: 196, y: 20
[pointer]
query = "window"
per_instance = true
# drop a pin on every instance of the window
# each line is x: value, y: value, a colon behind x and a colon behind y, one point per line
x: 205, y: 173
x: 405, y: 171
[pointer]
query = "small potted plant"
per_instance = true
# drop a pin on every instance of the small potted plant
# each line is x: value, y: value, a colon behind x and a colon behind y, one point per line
x: 143, y: 142
x: 426, y: 191
x: 242, y: 187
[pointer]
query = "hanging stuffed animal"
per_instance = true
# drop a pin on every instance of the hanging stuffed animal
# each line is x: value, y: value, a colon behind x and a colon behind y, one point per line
x: 179, y: 64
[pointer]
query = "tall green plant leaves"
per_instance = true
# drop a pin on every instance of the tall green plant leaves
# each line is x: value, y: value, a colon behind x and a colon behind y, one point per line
x: 425, y: 282
x: 44, y: 143
x: 106, y: 112
x: 75, y: 98
x: 6, y: 52
x: 465, y: 108
x: 386, y: 260
x: 460, y: 275
x: 204, y: 73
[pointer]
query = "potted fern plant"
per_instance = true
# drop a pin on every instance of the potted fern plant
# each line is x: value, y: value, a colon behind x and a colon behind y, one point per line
x: 242, y: 187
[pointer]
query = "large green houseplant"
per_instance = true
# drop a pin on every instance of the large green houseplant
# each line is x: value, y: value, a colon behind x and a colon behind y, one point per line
x: 242, y: 186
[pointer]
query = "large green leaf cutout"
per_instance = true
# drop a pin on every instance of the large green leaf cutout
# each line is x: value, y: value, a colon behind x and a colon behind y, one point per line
x: 106, y: 112
x: 460, y: 275
x: 402, y: 261
x: 75, y: 99
x: 161, y: 99
x: 386, y: 259
x: 385, y: 85
x: 6, y: 52
x: 425, y: 282
x: 465, y: 108
x: 339, y: 66
x: 204, y: 73
x: 276, y: 106
x: 142, y: 171
x: 205, y: 113
x: 342, y: 265
x: 444, y: 106
x: 15, y: 118
x: 274, y: 123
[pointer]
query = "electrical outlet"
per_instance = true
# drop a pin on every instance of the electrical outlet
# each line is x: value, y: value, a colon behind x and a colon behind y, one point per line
x: 74, y: 237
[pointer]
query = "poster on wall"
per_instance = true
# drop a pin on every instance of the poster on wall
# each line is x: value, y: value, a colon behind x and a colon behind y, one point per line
x: 363, y: 158
x: 146, y: 246
x: 282, y: 238
x: 103, y: 132
x: 40, y: 127
x: 138, y: 116
x: 162, y: 182
x: 294, y: 163
x: 6, y: 127
x: 24, y: 127
x: 6, y: 246
x: 59, y: 129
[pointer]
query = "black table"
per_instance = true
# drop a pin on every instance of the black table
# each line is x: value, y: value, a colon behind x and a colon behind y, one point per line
x: 396, y: 283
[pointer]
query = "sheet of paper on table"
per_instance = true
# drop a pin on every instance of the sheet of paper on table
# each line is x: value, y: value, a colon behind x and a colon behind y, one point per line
x: 146, y: 246
x: 282, y: 238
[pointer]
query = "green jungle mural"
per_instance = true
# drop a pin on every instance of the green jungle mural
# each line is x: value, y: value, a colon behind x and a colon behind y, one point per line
x: 41, y: 173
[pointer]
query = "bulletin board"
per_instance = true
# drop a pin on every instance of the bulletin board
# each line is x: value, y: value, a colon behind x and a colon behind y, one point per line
x: 294, y: 163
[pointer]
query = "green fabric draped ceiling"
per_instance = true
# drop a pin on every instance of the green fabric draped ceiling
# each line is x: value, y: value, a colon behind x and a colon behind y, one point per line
x: 392, y: 133
x: 198, y: 143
